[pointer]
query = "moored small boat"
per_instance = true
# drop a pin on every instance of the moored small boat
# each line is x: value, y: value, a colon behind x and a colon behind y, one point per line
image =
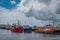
x: 17, y: 29
x: 49, y: 29
x: 57, y: 31
x: 27, y: 29
x: 39, y: 29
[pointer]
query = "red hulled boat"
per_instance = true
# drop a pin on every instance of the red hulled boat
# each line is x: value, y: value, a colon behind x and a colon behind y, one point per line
x: 17, y: 29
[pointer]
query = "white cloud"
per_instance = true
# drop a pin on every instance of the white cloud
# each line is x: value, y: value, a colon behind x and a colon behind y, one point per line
x: 40, y: 9
x: 12, y: 2
x: 12, y: 16
x: 23, y: 6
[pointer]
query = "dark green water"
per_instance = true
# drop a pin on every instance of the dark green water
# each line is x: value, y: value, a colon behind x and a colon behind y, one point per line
x: 7, y: 35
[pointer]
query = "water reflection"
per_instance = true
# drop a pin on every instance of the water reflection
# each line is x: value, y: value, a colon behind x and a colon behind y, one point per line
x: 8, y: 35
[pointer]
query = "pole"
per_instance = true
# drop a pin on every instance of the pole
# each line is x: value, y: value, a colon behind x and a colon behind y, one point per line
x: 19, y: 23
x: 53, y: 20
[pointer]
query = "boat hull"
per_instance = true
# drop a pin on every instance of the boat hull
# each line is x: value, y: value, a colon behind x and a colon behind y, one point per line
x: 17, y: 30
x: 27, y: 30
x: 56, y: 32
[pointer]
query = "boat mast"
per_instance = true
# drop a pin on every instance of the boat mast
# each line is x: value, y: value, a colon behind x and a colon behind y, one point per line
x: 49, y: 21
x: 19, y: 23
x: 8, y: 23
x: 25, y: 22
x: 53, y: 20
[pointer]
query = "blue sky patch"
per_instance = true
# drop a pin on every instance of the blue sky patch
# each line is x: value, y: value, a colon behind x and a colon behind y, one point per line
x: 7, y: 3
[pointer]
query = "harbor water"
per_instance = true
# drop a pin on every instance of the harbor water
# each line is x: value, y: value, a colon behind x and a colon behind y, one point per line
x: 8, y: 35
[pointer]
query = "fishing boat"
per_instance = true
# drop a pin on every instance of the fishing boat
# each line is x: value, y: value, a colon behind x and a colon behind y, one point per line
x: 57, y: 31
x: 8, y: 28
x: 34, y: 28
x: 49, y: 29
x: 52, y: 31
x: 17, y: 29
x: 39, y: 29
x: 27, y: 29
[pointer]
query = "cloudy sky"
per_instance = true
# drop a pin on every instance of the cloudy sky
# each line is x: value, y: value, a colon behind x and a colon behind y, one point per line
x: 31, y: 12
